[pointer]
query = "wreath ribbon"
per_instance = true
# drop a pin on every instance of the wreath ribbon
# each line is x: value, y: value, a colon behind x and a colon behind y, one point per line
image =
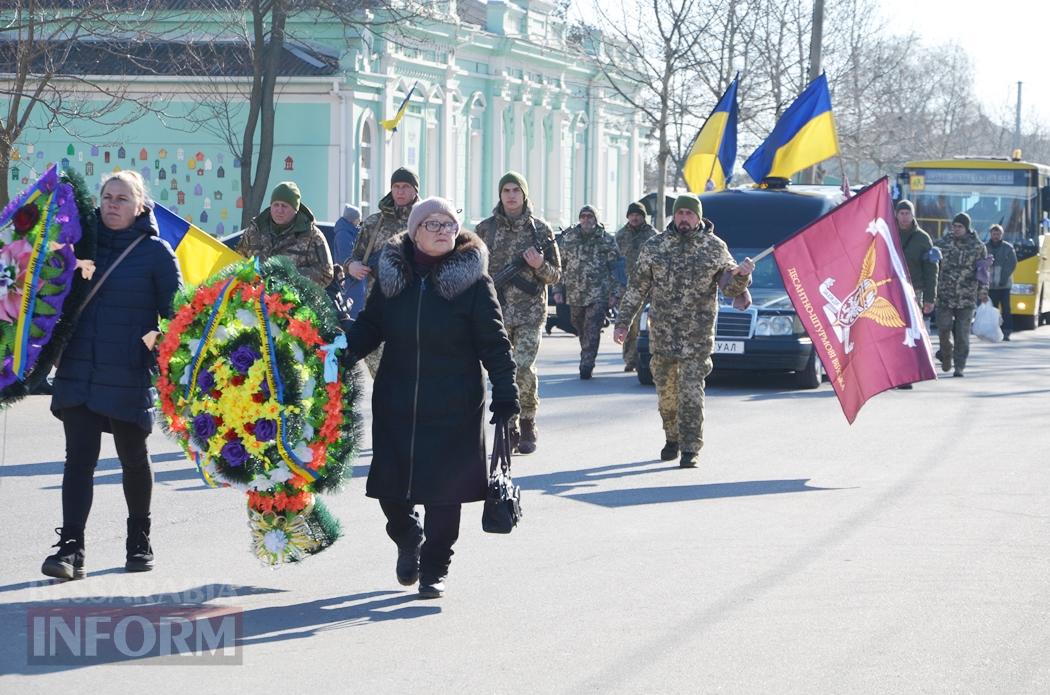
x: 25, y: 315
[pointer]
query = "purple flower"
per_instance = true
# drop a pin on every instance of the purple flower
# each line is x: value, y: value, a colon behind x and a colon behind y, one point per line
x: 204, y: 426
x: 265, y: 388
x: 243, y: 358
x: 265, y: 430
x: 206, y: 381
x: 234, y: 453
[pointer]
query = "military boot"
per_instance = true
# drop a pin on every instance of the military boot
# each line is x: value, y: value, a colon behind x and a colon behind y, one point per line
x: 68, y: 562
x: 527, y: 443
x: 139, y: 550
x: 688, y: 460
x: 515, y: 437
x: 669, y: 452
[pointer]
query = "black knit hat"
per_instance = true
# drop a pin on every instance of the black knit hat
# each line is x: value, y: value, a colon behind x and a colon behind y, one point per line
x: 963, y: 219
x: 636, y: 207
x: 905, y: 204
x: 405, y: 175
x: 587, y: 208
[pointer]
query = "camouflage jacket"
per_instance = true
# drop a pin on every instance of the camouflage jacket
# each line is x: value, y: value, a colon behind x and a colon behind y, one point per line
x: 630, y: 242
x: 588, y: 273
x: 302, y: 242
x: 507, y: 239
x: 680, y: 272
x: 377, y: 229
x: 957, y: 285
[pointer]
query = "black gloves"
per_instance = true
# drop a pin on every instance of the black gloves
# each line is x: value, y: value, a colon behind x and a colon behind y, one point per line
x: 503, y: 410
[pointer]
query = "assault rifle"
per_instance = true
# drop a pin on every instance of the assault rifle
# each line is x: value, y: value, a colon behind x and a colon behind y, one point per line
x: 511, y: 274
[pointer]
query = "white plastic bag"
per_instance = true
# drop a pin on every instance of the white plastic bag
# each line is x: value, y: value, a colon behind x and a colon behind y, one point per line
x: 986, y: 323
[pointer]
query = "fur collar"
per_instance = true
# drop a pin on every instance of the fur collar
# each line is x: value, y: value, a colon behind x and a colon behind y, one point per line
x: 449, y: 278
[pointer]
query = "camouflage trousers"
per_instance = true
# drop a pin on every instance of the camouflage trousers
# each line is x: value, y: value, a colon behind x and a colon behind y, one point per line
x: 372, y: 360
x: 588, y: 320
x: 524, y: 344
x: 630, y: 344
x: 680, y: 392
x: 953, y: 326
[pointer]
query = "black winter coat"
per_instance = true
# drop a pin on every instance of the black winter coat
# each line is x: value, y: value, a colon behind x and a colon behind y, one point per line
x: 428, y: 400
x: 106, y: 366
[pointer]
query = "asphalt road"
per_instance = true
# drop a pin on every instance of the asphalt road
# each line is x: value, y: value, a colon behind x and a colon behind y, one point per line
x: 909, y: 553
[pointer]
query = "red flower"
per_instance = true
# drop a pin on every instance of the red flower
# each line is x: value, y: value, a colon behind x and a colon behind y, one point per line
x: 25, y: 218
x: 230, y: 435
x: 249, y: 427
x: 237, y: 380
x: 219, y: 421
x: 259, y: 397
x: 216, y: 394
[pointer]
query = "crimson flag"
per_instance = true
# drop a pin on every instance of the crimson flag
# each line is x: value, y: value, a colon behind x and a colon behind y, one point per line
x: 846, y: 276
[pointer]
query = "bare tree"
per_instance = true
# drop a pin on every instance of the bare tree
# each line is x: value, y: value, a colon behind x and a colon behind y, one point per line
x: 645, y: 50
x: 45, y: 55
x: 238, y: 101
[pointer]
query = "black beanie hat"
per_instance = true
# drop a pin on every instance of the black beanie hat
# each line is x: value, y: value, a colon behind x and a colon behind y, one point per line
x: 963, y: 219
x: 405, y: 175
x: 587, y: 208
x: 636, y: 207
x: 905, y: 204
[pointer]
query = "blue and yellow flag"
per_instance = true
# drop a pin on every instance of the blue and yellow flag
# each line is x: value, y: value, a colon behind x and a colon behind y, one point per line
x: 709, y: 165
x: 392, y: 123
x: 200, y: 254
x: 804, y: 136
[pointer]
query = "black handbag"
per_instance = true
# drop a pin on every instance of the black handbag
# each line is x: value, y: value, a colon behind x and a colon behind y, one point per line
x: 503, y: 501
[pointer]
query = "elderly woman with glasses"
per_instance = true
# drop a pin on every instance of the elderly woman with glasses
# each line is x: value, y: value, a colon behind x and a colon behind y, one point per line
x: 434, y: 309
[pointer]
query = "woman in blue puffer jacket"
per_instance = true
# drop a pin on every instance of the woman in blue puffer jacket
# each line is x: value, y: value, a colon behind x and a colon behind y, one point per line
x: 103, y: 383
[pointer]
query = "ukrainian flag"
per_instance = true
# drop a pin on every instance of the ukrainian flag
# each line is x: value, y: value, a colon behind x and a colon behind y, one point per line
x: 200, y: 254
x: 709, y: 165
x: 391, y: 123
x: 804, y: 136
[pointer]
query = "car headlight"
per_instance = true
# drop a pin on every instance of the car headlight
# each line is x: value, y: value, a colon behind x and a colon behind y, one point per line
x: 774, y: 325
x: 1019, y: 288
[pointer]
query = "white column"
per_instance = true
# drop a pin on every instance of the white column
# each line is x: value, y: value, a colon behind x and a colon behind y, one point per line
x: 596, y: 171
x: 556, y: 167
x: 517, y: 137
x: 537, y: 155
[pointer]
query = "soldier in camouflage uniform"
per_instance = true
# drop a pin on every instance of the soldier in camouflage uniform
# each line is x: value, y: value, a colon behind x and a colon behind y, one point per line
x: 630, y: 238
x: 589, y: 285
x: 681, y: 271
x: 392, y: 219
x: 287, y: 228
x: 511, y: 233
x: 957, y: 290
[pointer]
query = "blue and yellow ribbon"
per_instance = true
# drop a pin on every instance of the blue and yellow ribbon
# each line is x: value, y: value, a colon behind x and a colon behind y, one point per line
x: 25, y: 315
x: 209, y: 333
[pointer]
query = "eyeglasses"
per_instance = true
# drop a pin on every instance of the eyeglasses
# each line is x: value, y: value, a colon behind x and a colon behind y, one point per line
x: 433, y: 226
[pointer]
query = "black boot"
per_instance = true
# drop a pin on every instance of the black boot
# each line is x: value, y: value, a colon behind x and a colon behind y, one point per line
x: 529, y: 436
x: 669, y: 452
x: 408, y: 564
x: 140, y: 552
x: 431, y: 586
x: 688, y: 460
x: 68, y: 562
x: 585, y: 372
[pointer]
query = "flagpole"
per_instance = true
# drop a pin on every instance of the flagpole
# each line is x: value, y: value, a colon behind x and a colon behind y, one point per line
x: 762, y: 255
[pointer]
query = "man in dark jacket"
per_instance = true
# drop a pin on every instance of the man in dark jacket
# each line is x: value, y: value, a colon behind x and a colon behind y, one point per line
x: 1002, y: 278
x: 920, y: 256
x: 287, y: 228
x: 347, y: 230
x: 630, y: 238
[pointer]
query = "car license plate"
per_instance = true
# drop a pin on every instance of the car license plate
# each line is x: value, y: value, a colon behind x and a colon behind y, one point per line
x: 731, y: 347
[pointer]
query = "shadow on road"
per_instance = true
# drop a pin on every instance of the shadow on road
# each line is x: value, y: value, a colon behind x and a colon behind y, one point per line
x: 257, y: 625
x: 562, y: 482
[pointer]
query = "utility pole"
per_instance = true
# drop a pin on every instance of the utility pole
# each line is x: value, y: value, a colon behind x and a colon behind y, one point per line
x: 816, y: 41
x: 1017, y: 122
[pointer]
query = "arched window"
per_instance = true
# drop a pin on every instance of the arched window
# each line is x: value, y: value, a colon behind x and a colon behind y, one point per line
x: 365, y: 147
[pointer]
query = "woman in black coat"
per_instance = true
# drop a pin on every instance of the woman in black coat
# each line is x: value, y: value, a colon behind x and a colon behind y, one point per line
x: 435, y: 310
x: 103, y: 383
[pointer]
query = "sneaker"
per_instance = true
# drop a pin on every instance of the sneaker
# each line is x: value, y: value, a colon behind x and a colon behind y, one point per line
x: 669, y: 452
x: 432, y: 587
x: 68, y: 562
x: 585, y: 372
x: 408, y: 564
x: 689, y: 459
x: 629, y: 368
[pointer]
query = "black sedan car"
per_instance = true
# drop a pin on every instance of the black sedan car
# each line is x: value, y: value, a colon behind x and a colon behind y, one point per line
x: 768, y: 336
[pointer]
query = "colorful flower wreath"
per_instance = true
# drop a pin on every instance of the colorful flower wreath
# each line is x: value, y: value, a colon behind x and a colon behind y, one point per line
x: 251, y: 387
x: 38, y: 262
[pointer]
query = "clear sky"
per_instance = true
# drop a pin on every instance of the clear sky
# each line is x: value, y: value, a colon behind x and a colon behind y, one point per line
x: 1003, y: 39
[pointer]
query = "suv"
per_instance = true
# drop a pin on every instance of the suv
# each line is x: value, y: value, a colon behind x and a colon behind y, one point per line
x: 768, y: 336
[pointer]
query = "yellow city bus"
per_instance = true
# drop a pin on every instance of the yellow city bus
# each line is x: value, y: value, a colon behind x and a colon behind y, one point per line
x: 992, y: 190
